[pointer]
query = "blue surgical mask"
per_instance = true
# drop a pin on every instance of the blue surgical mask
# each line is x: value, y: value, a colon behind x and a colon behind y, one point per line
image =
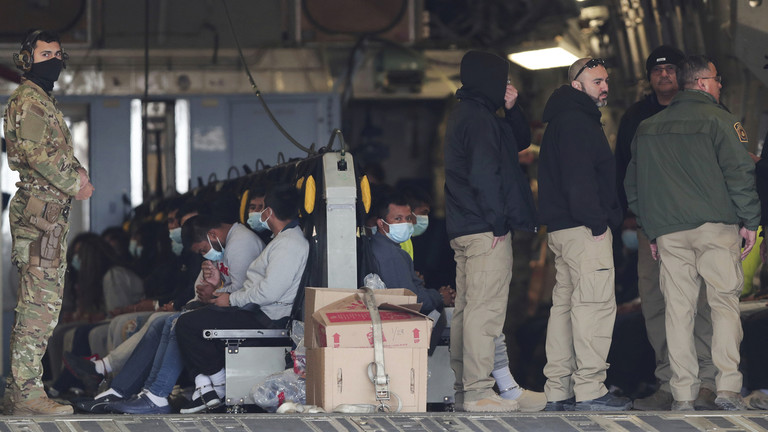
x: 76, y: 263
x: 254, y: 221
x: 629, y: 238
x: 213, y: 254
x: 175, y: 235
x: 374, y: 229
x: 177, y: 248
x: 134, y: 248
x: 422, y: 222
x: 261, y: 225
x: 399, y: 232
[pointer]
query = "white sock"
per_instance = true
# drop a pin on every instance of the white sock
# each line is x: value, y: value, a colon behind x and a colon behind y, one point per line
x: 157, y: 400
x: 200, y: 382
x: 219, y: 378
x: 107, y: 393
x: 221, y: 390
x: 107, y: 365
x: 508, y: 388
x: 99, y: 365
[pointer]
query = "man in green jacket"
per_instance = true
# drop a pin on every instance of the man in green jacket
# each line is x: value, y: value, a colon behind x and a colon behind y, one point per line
x: 691, y: 183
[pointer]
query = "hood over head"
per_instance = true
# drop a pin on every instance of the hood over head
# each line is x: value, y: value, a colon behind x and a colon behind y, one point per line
x: 485, y: 74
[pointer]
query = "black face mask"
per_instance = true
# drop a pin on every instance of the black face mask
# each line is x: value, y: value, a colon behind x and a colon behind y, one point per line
x: 45, y: 73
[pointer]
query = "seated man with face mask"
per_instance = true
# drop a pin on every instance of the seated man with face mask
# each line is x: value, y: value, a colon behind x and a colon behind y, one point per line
x: 395, y: 267
x: 420, y: 205
x: 394, y: 226
x: 256, y: 195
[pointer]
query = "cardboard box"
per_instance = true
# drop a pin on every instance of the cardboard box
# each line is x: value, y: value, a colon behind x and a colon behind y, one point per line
x: 347, y: 324
x: 338, y: 376
x: 316, y: 298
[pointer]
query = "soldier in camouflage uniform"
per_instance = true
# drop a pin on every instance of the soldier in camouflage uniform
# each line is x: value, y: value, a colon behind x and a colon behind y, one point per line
x: 40, y: 149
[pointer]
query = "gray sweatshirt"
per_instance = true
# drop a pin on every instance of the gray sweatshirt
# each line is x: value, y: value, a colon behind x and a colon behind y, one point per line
x: 274, y: 277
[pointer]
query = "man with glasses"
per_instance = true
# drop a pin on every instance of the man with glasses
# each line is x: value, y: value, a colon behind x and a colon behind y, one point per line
x: 661, y: 68
x: 578, y: 203
x: 691, y: 184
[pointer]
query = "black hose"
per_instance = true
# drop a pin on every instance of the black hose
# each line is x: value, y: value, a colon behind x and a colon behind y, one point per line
x: 256, y: 89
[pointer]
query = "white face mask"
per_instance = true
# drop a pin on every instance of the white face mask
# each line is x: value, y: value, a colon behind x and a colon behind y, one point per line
x: 422, y: 222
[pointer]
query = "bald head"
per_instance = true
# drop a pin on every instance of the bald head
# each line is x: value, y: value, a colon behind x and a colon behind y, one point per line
x: 589, y: 76
x: 576, y: 67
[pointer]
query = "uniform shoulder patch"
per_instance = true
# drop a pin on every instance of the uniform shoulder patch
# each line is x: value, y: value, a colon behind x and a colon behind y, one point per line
x: 740, y: 132
x: 32, y: 127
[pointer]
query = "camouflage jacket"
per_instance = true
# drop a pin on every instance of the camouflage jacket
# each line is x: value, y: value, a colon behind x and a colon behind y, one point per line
x: 40, y: 145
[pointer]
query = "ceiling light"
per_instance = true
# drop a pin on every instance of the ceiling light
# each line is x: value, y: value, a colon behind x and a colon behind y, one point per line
x: 545, y: 55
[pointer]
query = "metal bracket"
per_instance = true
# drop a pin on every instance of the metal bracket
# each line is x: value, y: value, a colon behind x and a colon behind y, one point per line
x: 233, y: 346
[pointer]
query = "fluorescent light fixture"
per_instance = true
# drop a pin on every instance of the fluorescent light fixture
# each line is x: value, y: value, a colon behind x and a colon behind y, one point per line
x: 546, y: 56
x: 137, y: 154
x: 182, y: 145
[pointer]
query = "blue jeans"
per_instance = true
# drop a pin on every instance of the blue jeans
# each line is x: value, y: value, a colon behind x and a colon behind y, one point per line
x: 155, y: 364
x: 138, y: 366
x: 168, y: 363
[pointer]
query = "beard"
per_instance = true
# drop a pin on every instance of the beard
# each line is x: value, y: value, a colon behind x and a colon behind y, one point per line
x: 601, y: 102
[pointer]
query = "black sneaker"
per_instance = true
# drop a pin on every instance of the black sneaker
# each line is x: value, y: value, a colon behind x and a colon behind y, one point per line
x: 97, y: 406
x: 84, y: 370
x: 563, y: 405
x: 607, y: 402
x: 139, y: 404
x: 209, y: 400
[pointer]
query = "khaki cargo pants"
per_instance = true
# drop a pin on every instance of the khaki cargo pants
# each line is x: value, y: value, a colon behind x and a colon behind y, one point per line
x: 482, y: 291
x: 582, y: 315
x: 652, y: 305
x: 40, y: 293
x: 712, y: 253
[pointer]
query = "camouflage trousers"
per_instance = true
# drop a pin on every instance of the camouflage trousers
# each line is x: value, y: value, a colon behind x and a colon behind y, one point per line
x: 40, y: 294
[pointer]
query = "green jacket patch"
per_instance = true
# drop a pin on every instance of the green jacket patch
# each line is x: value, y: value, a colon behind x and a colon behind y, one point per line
x: 32, y: 127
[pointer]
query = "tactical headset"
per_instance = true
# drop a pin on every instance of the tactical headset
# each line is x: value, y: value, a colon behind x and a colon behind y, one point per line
x: 24, y: 58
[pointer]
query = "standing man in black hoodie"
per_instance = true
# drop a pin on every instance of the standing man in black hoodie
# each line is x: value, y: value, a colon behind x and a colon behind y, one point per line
x: 579, y: 205
x: 487, y: 195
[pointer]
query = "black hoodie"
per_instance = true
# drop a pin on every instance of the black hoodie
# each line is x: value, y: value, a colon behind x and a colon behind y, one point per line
x: 485, y: 188
x: 631, y: 119
x: 577, y: 171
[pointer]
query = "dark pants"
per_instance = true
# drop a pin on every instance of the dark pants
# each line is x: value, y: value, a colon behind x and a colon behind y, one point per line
x: 204, y: 356
x: 80, y: 347
x: 755, y: 351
